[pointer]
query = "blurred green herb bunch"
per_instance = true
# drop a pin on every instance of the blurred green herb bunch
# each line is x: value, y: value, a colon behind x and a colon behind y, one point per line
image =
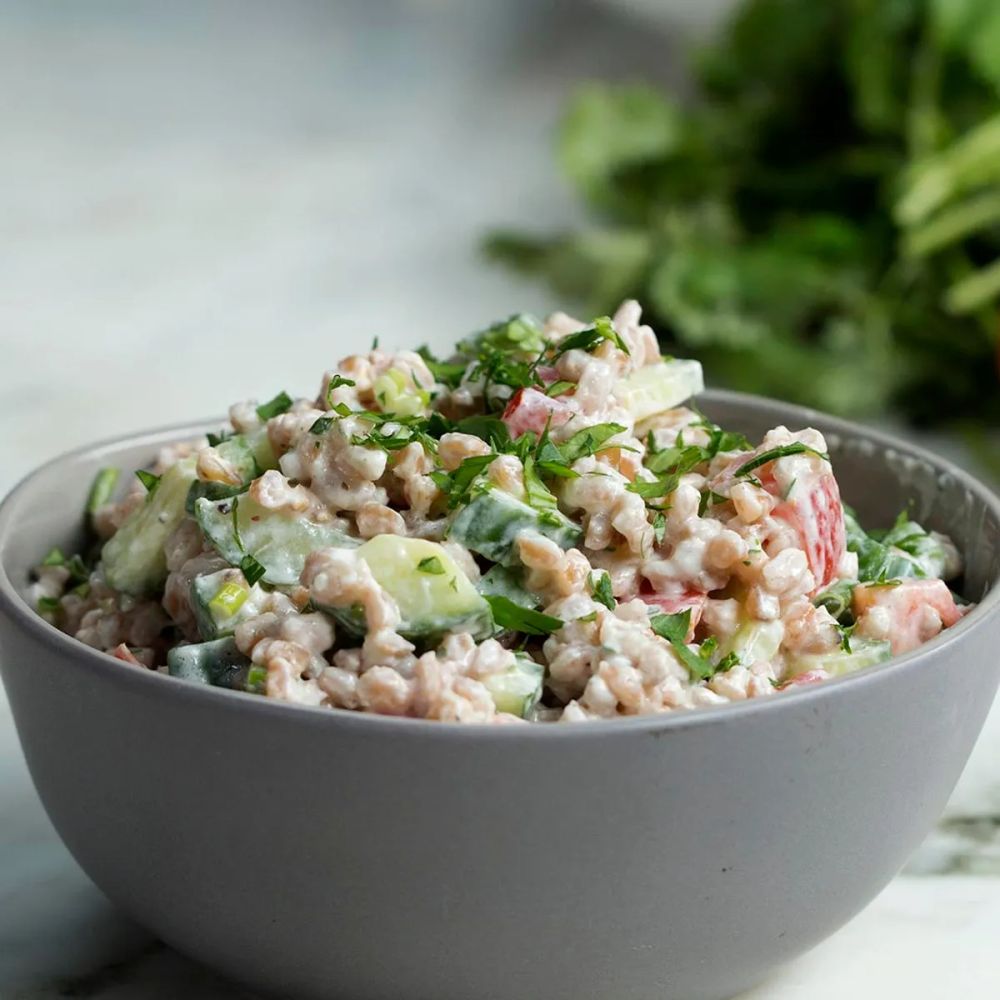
x: 822, y: 222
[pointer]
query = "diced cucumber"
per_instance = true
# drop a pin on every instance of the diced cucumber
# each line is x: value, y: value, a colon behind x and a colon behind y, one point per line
x: 260, y: 445
x: 506, y: 581
x: 240, y: 453
x: 863, y: 653
x: 219, y: 663
x: 432, y: 592
x: 755, y: 640
x: 133, y: 559
x: 655, y: 388
x: 519, y: 689
x: 397, y: 393
x: 279, y: 541
x: 491, y: 523
x: 221, y: 601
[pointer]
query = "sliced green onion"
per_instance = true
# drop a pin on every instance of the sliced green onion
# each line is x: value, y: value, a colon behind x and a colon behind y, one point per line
x: 229, y: 598
x: 102, y: 488
x: 252, y: 569
x: 274, y: 407
x: 54, y: 558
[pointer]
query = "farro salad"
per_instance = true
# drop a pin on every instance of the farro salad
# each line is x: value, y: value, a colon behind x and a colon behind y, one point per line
x: 543, y: 527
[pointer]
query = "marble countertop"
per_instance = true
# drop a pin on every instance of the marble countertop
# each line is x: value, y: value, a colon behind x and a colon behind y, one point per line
x: 204, y: 202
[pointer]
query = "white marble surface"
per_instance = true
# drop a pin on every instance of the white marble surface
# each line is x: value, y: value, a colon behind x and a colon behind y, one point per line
x: 200, y: 202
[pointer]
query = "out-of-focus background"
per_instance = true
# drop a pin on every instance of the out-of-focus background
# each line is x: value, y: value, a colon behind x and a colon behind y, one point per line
x: 204, y: 202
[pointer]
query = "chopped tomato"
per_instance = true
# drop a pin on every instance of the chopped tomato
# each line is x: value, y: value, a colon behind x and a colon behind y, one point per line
x: 818, y: 518
x: 531, y: 410
x: 918, y: 609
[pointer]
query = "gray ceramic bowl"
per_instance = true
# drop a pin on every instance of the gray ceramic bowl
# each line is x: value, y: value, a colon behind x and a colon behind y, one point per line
x: 334, y: 855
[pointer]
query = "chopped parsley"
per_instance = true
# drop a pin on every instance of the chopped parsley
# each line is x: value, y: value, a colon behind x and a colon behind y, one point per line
x: 281, y: 403
x: 335, y: 383
x: 214, y: 440
x: 509, y: 615
x: 251, y: 569
x: 782, y: 451
x: 559, y: 388
x: 674, y: 628
x: 432, y: 565
x: 54, y: 558
x: 322, y: 424
x: 592, y: 337
x: 149, y: 480
x: 588, y: 441
x: 458, y: 485
x: 600, y: 587
x: 659, y: 527
x: 48, y: 605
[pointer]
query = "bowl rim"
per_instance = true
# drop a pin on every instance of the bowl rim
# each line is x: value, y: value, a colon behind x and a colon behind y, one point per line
x: 144, y: 682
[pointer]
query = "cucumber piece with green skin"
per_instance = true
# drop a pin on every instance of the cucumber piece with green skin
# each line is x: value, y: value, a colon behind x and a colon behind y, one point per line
x: 433, y: 594
x: 221, y: 601
x: 755, y: 640
x: 654, y: 388
x: 133, y: 558
x: 518, y: 690
x: 239, y: 452
x: 279, y: 541
x: 490, y: 524
x: 506, y: 581
x: 863, y: 653
x: 218, y: 663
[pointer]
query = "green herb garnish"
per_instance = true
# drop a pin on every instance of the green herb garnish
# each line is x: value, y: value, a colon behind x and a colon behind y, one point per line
x: 674, y: 628
x: 782, y: 451
x: 322, y: 424
x: 281, y: 403
x: 509, y: 615
x: 251, y: 569
x: 432, y: 565
x: 149, y: 480
x: 600, y: 588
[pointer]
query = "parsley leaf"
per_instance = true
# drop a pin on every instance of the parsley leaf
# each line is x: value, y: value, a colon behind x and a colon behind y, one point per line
x: 559, y: 388
x: 537, y: 493
x: 336, y: 381
x: 432, y: 565
x: 600, y: 587
x: 659, y: 527
x: 509, y: 615
x: 674, y: 628
x: 458, y: 485
x: 592, y: 337
x: 783, y: 451
x: 252, y: 569
x: 281, y: 403
x: 149, y: 480
x: 322, y: 424
x: 588, y: 441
